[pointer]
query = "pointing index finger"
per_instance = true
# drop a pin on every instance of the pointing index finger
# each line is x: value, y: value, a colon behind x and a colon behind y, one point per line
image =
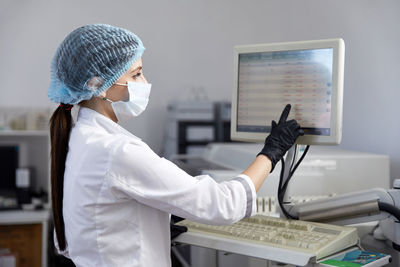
x: 285, y: 114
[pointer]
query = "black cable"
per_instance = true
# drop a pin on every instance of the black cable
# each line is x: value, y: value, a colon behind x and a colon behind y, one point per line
x: 301, y: 159
x: 295, y: 167
x: 280, y: 195
x: 294, y: 158
x: 391, y: 209
x: 282, y: 188
x: 280, y: 198
x: 281, y: 174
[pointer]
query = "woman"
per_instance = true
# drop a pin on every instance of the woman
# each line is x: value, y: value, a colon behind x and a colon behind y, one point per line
x: 111, y: 194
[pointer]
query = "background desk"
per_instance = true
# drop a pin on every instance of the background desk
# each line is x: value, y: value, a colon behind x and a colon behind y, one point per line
x: 25, y: 234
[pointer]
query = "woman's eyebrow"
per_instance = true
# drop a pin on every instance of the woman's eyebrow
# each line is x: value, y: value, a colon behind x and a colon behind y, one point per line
x: 138, y: 68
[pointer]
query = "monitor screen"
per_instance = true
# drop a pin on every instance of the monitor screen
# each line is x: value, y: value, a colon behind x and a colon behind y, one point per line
x: 303, y: 74
x: 8, y: 166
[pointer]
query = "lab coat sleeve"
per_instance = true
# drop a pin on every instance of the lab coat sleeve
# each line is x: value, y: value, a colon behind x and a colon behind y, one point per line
x: 135, y: 171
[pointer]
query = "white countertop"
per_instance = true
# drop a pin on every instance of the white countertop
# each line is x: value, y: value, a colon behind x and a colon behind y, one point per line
x: 24, y: 216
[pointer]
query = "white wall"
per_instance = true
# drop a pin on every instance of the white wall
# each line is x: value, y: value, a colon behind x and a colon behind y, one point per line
x: 189, y: 44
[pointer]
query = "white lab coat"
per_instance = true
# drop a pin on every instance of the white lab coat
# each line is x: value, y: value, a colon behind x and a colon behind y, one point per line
x: 118, y: 195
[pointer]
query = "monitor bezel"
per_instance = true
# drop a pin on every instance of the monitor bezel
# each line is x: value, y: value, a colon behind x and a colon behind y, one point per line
x: 336, y: 98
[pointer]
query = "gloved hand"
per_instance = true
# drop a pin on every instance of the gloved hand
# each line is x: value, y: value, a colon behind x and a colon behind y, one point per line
x: 282, y: 137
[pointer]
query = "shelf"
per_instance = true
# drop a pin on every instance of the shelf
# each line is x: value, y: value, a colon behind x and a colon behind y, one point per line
x: 23, y: 133
x: 24, y: 216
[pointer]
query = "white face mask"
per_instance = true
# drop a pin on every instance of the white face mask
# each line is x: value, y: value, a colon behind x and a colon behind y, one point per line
x: 138, y: 99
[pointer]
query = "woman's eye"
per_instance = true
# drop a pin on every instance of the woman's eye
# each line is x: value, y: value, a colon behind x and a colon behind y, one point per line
x: 137, y: 75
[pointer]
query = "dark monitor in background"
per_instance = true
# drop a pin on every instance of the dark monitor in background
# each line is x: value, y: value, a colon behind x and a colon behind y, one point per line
x: 8, y: 166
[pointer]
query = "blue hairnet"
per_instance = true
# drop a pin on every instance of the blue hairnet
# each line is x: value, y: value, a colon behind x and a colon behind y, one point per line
x: 90, y: 60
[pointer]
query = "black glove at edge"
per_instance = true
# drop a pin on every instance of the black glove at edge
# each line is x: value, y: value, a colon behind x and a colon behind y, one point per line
x: 282, y: 137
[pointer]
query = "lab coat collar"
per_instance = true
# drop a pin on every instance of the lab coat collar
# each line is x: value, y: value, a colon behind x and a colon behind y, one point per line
x: 90, y: 116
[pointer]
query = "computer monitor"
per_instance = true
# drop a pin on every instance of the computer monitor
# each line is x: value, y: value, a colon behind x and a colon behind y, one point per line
x: 308, y: 75
x: 9, y: 158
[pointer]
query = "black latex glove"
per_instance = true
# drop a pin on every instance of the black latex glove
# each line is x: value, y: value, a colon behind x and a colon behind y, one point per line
x: 176, y: 230
x: 282, y: 137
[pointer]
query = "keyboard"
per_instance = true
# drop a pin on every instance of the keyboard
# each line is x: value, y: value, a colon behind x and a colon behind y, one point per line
x: 315, y: 240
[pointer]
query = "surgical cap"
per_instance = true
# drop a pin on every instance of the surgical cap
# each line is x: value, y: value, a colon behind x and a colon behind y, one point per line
x: 90, y: 60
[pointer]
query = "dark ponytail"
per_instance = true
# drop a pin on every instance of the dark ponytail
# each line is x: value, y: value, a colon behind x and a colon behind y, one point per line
x: 60, y: 128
